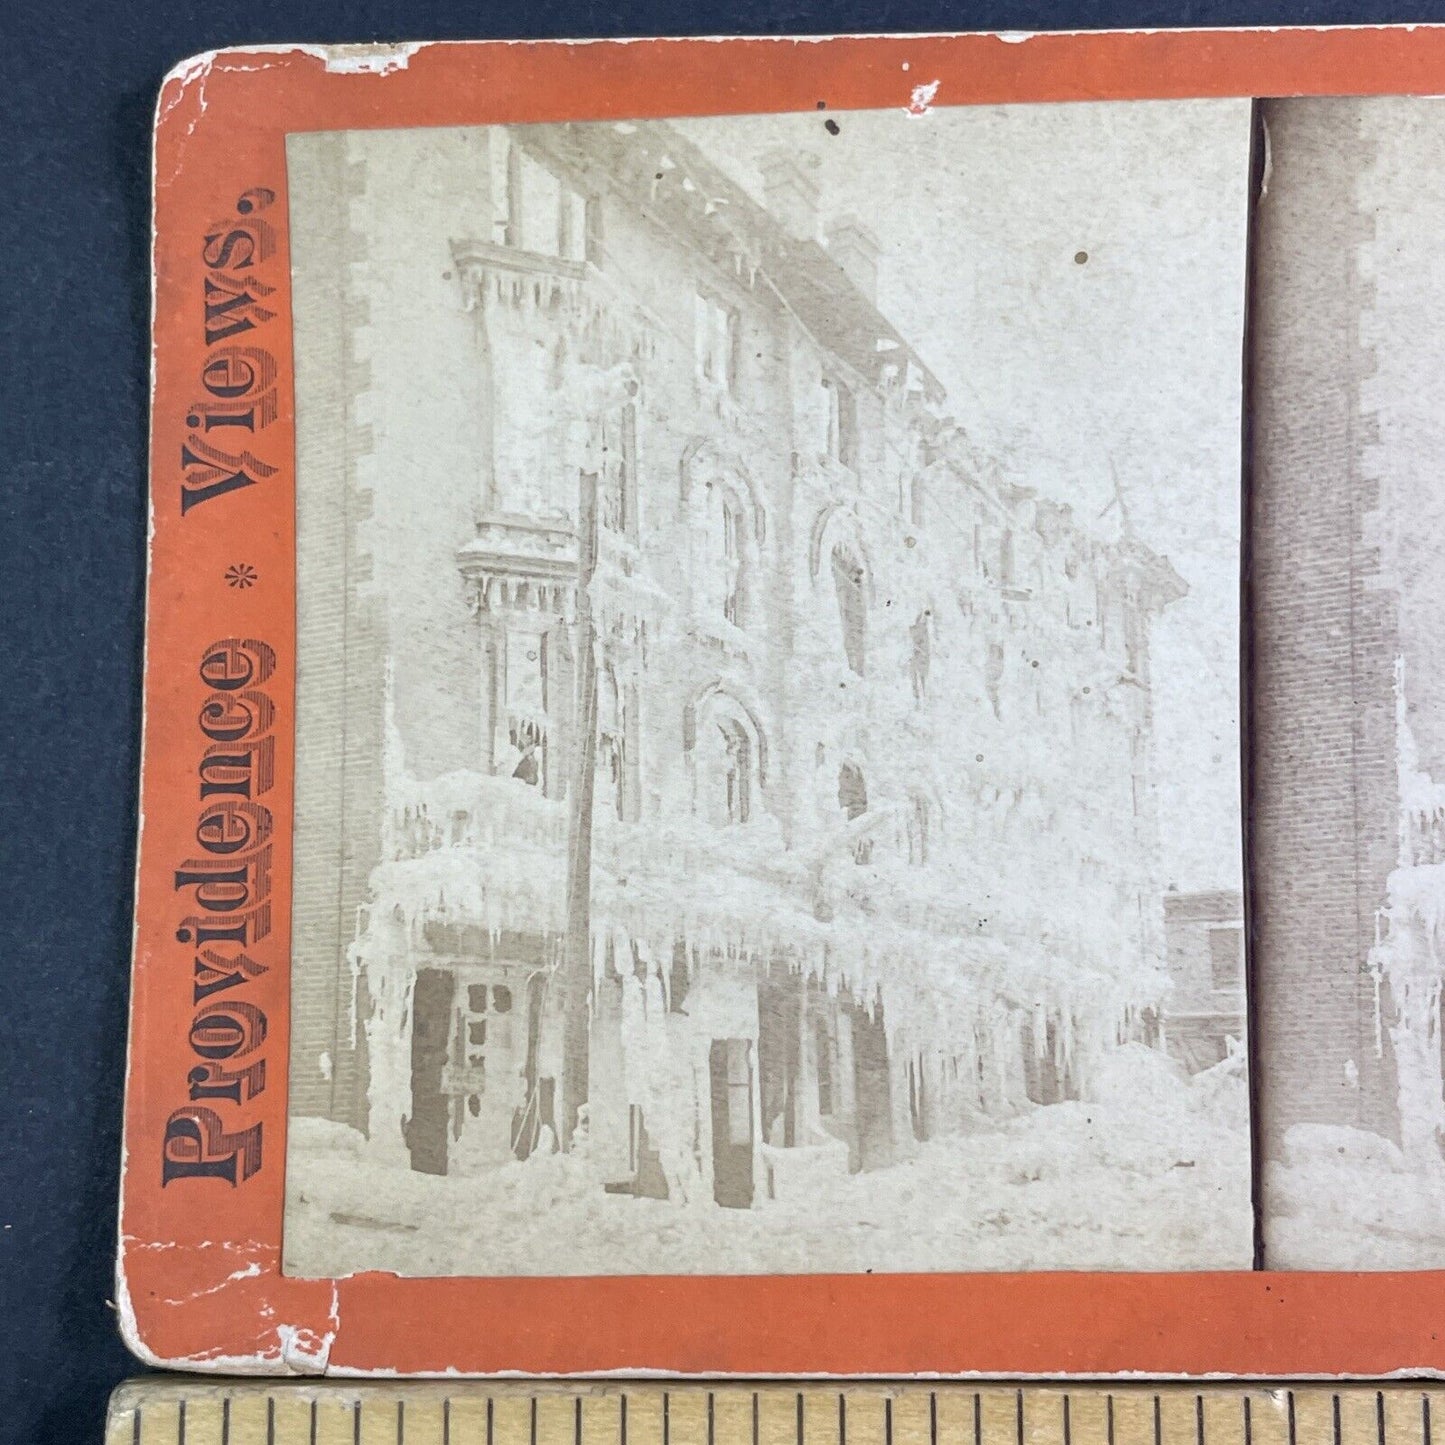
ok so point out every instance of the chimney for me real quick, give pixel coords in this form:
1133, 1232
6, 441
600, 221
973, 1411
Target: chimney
855, 248
790, 190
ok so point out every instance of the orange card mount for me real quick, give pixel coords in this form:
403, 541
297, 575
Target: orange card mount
220, 915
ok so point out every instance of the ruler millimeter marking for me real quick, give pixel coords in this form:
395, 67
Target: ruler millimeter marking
196, 1411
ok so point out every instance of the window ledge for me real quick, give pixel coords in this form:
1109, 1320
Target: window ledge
492, 257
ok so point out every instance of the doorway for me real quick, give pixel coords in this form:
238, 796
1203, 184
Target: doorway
730, 1066
431, 1024
875, 1109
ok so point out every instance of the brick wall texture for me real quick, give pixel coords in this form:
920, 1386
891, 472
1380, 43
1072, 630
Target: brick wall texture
341, 677
1324, 635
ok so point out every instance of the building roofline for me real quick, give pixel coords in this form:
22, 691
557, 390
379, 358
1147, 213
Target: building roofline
683, 189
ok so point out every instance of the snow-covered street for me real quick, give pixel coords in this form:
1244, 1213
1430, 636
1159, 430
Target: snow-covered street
1148, 1170
1347, 1199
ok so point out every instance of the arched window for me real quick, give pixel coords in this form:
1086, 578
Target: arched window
848, 582
737, 790
837, 547
731, 550
732, 558
729, 760
726, 770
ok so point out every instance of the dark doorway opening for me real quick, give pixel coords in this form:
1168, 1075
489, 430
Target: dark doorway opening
730, 1065
779, 1021
1046, 1080
875, 1110
431, 1023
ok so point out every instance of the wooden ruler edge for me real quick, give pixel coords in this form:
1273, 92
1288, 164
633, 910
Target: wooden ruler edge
1316, 1412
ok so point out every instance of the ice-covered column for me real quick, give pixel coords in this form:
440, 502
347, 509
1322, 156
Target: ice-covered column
386, 978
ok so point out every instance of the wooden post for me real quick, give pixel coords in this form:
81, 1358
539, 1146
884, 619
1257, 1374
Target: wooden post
577, 959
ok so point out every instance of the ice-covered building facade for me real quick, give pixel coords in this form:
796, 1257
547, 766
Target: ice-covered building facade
634, 458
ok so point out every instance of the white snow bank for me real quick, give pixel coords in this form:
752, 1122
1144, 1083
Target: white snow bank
1335, 1146
1098, 1185
1345, 1198
1138, 1077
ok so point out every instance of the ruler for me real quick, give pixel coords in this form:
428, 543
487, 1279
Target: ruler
195, 1411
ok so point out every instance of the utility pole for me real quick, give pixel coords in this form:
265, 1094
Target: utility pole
577, 958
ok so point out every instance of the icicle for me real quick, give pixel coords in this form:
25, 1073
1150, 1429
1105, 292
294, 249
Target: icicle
1376, 978
353, 965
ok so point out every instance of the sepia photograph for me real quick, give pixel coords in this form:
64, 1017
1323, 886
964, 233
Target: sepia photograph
1348, 818
768, 785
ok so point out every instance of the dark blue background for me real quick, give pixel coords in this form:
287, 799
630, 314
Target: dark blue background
77, 85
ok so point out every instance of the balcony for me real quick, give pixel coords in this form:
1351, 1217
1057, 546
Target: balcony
470, 850
481, 262
520, 564
474, 810
582, 291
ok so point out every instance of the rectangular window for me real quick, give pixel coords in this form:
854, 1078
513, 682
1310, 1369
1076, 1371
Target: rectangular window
571, 226
541, 194
525, 670
487, 1029
504, 188
592, 227
840, 416
828, 398
715, 342
1226, 957
535, 210
847, 427
525, 694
